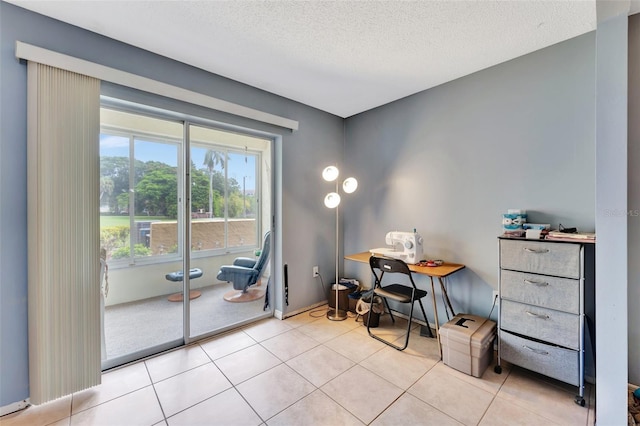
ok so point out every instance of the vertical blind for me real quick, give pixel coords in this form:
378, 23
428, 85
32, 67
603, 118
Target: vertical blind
63, 232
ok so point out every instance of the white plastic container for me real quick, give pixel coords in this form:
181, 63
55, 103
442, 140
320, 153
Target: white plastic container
467, 343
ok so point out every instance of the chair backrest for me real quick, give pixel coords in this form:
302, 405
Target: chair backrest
385, 264
264, 256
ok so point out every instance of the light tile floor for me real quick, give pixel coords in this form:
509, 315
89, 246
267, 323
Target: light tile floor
311, 371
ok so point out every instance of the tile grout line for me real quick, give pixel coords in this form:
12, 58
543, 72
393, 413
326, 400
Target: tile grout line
155, 392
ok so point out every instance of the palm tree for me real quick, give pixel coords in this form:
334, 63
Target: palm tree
211, 160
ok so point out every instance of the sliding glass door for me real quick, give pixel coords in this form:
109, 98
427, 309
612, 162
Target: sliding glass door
225, 219
140, 192
159, 213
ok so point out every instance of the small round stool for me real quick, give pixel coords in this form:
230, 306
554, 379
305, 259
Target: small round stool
178, 276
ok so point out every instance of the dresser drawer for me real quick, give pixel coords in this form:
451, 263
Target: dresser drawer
552, 326
562, 294
562, 260
559, 363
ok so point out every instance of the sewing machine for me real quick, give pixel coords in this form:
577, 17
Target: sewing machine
406, 246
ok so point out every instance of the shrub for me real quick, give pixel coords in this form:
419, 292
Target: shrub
113, 238
139, 251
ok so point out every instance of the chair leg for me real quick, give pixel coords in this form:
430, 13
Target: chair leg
386, 303
406, 342
370, 312
425, 318
388, 343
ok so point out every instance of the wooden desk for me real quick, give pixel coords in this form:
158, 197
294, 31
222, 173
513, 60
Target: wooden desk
438, 272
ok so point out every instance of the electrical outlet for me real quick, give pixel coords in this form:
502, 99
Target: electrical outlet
315, 271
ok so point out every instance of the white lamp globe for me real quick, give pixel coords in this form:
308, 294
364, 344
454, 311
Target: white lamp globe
350, 185
330, 173
332, 200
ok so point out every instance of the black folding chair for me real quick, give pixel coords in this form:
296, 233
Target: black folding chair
381, 267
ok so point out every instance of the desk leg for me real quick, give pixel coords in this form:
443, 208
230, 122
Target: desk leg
435, 314
446, 296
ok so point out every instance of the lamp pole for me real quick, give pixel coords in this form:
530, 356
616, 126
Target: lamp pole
332, 200
337, 314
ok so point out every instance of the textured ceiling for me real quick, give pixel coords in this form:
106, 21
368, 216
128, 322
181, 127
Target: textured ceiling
343, 57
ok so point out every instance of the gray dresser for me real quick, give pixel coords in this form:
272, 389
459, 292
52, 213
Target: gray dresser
546, 307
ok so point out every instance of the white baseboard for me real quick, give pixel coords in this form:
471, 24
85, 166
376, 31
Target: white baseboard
16, 406
280, 315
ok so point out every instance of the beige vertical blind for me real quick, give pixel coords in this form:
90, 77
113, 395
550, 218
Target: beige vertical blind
63, 232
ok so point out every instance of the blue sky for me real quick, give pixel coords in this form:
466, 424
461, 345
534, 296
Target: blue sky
168, 154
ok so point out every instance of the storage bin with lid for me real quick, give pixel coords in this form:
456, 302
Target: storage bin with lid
467, 343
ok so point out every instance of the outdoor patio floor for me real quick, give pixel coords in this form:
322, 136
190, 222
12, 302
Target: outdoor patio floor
134, 326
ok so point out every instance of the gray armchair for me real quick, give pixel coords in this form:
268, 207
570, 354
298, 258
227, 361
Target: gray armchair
244, 273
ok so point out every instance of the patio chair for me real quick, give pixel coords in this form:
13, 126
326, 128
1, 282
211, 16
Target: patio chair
244, 273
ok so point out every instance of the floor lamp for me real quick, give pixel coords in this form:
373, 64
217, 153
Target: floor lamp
332, 201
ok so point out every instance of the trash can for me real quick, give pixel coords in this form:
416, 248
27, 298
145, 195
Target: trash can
353, 300
372, 319
345, 287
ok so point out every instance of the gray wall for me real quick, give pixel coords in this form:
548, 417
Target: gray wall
449, 161
611, 211
307, 228
634, 200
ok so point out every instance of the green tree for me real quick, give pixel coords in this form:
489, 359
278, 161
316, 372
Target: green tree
199, 189
156, 187
233, 185
122, 202
157, 192
116, 169
150, 166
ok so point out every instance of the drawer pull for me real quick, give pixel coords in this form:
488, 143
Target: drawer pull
533, 314
538, 283
538, 351
537, 251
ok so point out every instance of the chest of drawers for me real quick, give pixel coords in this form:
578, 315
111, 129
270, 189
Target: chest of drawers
546, 296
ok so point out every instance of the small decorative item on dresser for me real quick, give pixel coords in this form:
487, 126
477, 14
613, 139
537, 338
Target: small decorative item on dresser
512, 222
536, 231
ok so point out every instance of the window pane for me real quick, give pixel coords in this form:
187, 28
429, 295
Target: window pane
140, 178
114, 196
156, 198
207, 197
224, 183
241, 184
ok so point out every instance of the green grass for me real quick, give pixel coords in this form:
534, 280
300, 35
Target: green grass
123, 220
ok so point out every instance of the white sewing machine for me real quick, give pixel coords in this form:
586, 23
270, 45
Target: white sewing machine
406, 246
